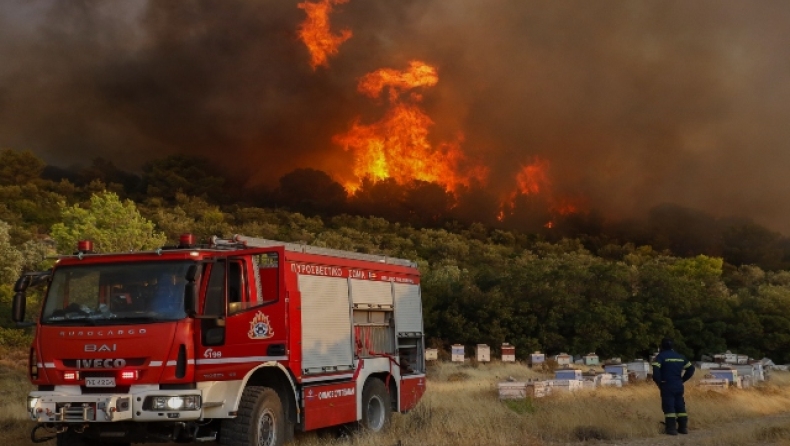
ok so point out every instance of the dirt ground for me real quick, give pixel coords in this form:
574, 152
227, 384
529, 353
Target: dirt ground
763, 431
773, 430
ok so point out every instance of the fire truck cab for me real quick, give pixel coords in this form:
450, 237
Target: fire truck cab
242, 341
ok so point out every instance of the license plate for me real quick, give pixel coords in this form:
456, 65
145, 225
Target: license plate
99, 382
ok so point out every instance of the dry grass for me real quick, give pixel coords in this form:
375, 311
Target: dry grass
14, 386
462, 408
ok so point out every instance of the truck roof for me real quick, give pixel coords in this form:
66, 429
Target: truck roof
241, 242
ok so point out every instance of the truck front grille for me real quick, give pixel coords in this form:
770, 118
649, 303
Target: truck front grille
77, 412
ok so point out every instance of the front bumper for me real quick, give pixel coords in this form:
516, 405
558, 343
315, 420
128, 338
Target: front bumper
66, 404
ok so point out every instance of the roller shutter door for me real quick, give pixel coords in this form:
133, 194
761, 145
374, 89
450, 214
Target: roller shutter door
326, 324
408, 308
367, 293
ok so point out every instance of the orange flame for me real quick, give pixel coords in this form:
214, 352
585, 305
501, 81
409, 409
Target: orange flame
419, 74
533, 179
398, 146
315, 32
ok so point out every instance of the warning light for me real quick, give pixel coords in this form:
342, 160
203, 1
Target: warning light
129, 375
85, 246
186, 240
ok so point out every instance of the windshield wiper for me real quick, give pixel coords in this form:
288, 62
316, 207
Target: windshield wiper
60, 320
138, 319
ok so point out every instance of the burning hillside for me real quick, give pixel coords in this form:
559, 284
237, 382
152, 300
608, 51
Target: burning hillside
398, 146
608, 108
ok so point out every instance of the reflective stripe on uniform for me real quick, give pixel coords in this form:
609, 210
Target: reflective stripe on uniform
684, 414
670, 415
656, 364
688, 364
673, 360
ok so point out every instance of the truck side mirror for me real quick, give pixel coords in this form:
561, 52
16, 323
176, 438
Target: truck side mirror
21, 284
20, 299
18, 309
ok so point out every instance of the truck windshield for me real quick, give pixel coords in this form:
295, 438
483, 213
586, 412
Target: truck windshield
122, 293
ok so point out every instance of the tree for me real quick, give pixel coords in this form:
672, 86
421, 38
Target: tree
111, 224
108, 173
310, 190
752, 244
178, 173
10, 258
427, 203
18, 168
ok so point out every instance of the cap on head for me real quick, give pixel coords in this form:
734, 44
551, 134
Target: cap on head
667, 344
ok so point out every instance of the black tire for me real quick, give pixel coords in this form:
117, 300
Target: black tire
68, 439
260, 421
376, 406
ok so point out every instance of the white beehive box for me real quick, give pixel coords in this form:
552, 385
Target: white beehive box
483, 353
514, 390
708, 365
609, 380
734, 358
591, 359
563, 359
458, 353
620, 370
718, 385
537, 358
431, 354
508, 353
589, 384
728, 374
538, 389
639, 368
753, 370
568, 374
566, 385
521, 390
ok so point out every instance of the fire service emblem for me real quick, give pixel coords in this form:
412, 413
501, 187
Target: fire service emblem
260, 328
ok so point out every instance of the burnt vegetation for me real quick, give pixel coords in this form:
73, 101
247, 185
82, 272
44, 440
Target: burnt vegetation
583, 284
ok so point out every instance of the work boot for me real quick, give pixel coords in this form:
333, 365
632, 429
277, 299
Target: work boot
683, 425
670, 426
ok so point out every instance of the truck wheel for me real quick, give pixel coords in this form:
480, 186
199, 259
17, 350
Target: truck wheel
376, 406
260, 421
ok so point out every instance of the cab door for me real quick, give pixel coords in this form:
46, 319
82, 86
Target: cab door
244, 292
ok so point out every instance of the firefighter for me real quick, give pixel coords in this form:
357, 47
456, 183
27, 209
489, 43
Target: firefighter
670, 371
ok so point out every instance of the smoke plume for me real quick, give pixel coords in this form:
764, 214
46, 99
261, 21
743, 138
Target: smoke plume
631, 104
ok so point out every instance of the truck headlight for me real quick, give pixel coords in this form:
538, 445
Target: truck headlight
185, 402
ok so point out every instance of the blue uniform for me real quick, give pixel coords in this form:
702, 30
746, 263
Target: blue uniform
670, 371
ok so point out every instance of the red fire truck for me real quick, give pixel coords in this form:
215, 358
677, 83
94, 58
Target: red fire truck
241, 340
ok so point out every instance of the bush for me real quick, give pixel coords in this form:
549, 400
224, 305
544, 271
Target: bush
15, 338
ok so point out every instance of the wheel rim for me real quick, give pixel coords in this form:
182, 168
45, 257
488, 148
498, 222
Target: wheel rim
375, 413
267, 433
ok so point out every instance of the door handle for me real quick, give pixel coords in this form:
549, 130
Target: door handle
275, 350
